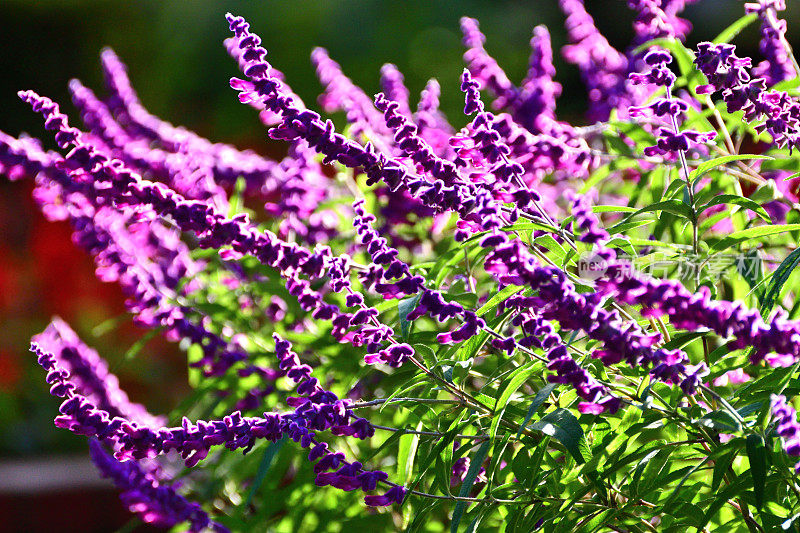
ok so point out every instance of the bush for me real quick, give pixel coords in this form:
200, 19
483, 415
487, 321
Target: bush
522, 324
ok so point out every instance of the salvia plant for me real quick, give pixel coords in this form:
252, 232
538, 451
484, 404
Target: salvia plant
517, 325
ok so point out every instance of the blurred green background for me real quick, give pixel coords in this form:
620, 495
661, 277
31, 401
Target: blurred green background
178, 65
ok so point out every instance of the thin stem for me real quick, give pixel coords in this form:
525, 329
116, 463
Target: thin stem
689, 187
772, 20
380, 401
436, 434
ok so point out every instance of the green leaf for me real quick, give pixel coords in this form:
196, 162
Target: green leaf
446, 440
497, 298
538, 400
404, 307
521, 466
750, 233
721, 421
139, 345
263, 467
515, 380
729, 492
407, 452
757, 454
474, 467
475, 522
236, 201
707, 166
779, 278
563, 425
676, 207
679, 341
747, 203
766, 192
723, 463
603, 518
650, 468
552, 245
613, 209
419, 519
393, 438
734, 29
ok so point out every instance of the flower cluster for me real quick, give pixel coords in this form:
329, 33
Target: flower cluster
671, 139
788, 428
730, 75
409, 263
777, 65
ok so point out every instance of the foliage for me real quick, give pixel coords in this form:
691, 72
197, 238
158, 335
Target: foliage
442, 320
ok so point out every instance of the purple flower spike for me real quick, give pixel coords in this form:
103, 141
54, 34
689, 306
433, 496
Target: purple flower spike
89, 373
394, 495
603, 69
657, 19
669, 140
535, 105
788, 428
777, 65
483, 67
155, 503
394, 88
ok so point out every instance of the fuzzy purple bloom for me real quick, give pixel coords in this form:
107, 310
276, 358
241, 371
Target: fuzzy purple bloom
155, 503
788, 428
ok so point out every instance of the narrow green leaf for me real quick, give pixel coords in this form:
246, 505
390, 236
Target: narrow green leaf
679, 341
676, 207
779, 278
613, 209
721, 421
737, 200
446, 440
515, 381
407, 452
497, 298
474, 467
236, 201
738, 237
393, 438
711, 164
757, 454
471, 528
734, 29
729, 492
653, 471
418, 523
263, 467
139, 345
563, 425
721, 467
541, 395
404, 307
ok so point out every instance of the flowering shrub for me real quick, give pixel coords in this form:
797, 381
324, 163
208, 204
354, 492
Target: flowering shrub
521, 324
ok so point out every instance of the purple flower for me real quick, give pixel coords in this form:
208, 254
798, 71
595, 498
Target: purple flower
603, 69
394, 88
788, 428
483, 67
396, 494
155, 503
342, 94
534, 108
777, 65
657, 19
88, 372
